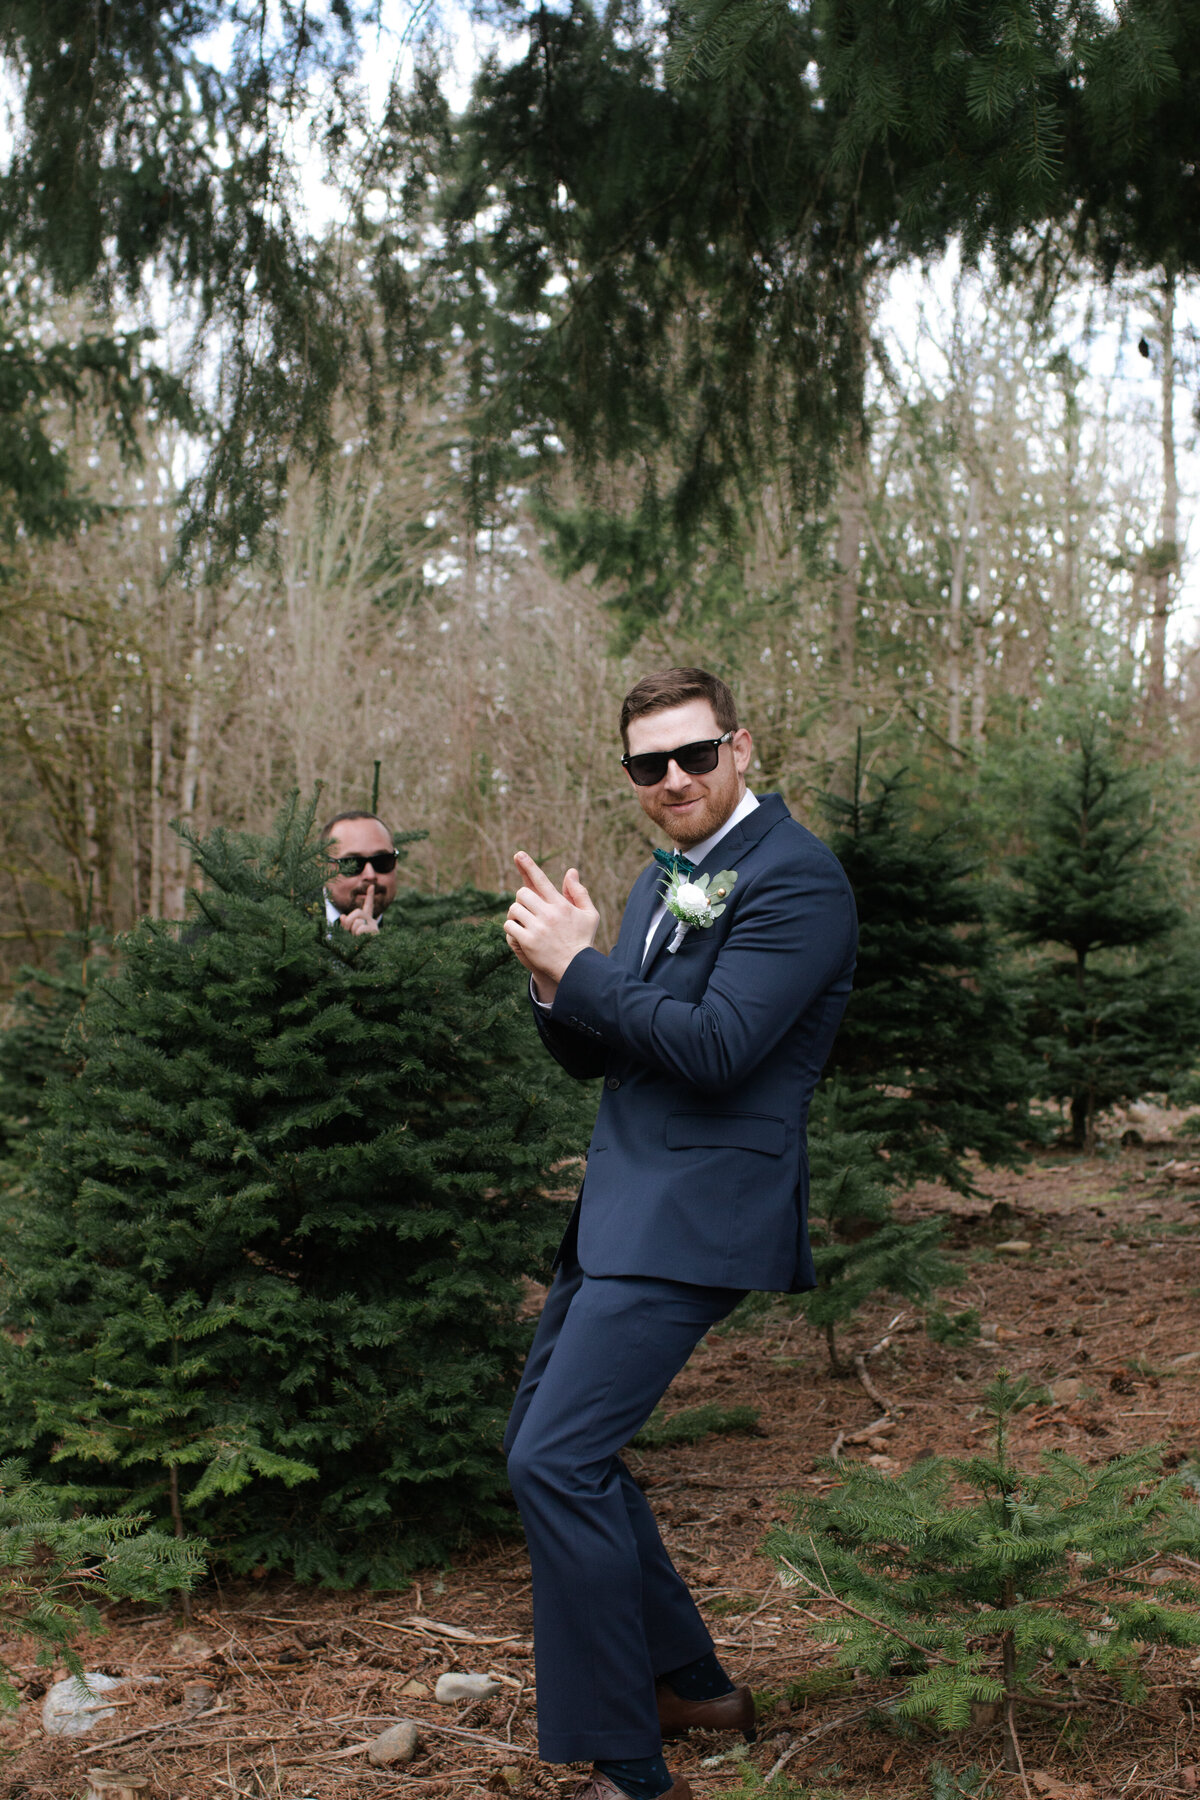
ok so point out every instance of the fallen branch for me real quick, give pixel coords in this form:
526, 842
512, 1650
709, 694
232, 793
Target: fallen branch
1015, 1741
877, 1428
860, 1712
872, 1392
418, 1627
265, 1737
454, 1731
827, 1593
90, 1749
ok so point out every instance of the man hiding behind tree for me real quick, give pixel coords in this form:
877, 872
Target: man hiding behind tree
709, 1023
363, 884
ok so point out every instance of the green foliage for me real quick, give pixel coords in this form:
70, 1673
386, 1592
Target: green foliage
859, 1247
816, 1684
600, 204
55, 1566
43, 1037
793, 154
995, 115
1128, 158
986, 1595
794, 151
752, 1785
141, 157
934, 1023
51, 371
267, 1258
906, 83
691, 1423
1118, 1015
971, 1784
952, 1329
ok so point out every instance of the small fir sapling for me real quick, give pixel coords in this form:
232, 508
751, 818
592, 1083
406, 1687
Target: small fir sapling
933, 1028
691, 1423
952, 1329
860, 1248
1117, 1015
56, 1565
987, 1598
265, 1272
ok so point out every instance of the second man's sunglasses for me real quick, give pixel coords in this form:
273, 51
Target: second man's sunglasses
382, 861
694, 759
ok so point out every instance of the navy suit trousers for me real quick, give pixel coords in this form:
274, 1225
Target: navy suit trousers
611, 1613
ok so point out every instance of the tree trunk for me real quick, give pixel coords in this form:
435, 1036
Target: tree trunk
157, 820
1166, 551
851, 534
175, 883
981, 622
1083, 1106
955, 646
1081, 1122
1012, 1750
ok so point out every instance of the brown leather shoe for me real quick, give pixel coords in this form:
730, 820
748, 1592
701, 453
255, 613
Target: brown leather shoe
599, 1787
728, 1712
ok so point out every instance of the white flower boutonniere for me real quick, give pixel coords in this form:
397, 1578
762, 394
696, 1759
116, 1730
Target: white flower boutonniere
696, 901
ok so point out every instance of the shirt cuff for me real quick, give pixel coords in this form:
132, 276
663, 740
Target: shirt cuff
542, 1005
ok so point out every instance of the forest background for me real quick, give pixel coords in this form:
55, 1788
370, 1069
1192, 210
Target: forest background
359, 430
597, 372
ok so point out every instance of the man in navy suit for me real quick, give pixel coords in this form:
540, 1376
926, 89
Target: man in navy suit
709, 1041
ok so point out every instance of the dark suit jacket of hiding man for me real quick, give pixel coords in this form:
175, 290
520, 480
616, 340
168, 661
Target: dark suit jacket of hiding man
698, 1168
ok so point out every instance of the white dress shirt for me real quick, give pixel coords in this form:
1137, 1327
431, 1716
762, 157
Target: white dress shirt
745, 806
696, 854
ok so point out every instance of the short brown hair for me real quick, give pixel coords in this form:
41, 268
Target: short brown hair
327, 829
675, 687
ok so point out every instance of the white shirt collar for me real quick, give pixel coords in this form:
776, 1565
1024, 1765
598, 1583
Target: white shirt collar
742, 810
332, 915
698, 852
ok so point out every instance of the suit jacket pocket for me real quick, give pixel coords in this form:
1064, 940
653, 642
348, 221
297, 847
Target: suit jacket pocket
726, 1131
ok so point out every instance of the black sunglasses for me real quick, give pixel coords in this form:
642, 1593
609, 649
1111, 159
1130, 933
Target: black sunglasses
694, 759
382, 861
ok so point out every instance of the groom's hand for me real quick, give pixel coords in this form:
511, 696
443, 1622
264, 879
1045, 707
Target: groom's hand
546, 929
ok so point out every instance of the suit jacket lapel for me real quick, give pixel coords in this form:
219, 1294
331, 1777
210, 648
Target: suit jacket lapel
735, 843
642, 902
662, 932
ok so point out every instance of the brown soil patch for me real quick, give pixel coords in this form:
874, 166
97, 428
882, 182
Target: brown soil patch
1107, 1296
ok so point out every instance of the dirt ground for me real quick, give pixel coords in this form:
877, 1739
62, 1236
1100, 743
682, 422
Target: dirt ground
1104, 1302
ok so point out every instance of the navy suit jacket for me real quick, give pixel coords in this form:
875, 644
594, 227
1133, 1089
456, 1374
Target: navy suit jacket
698, 1166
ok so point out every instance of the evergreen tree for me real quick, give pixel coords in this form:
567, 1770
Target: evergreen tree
797, 149
43, 1038
859, 1247
933, 1026
1118, 1015
987, 1597
155, 147
266, 1267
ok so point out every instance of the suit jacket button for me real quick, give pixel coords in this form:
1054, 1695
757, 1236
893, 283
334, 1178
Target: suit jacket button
612, 1082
